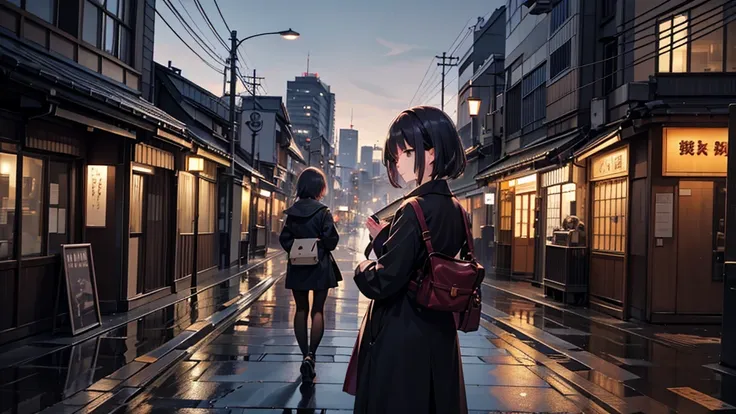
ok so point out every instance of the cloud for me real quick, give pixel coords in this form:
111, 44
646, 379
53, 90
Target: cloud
396, 49
374, 89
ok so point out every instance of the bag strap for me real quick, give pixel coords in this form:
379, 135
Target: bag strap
468, 233
422, 224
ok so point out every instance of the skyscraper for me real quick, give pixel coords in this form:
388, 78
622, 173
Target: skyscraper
347, 157
366, 159
311, 107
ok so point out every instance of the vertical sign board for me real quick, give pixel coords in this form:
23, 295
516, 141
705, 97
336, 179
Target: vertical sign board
81, 287
96, 195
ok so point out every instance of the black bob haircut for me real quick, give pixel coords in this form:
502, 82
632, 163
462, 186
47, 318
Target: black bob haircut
311, 184
422, 128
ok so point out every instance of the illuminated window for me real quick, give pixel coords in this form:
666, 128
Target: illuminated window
609, 215
207, 195
560, 199
524, 206
672, 44
33, 215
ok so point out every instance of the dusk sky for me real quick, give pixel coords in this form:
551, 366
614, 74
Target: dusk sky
373, 54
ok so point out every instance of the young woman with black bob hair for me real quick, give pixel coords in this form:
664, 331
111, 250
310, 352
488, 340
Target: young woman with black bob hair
408, 356
308, 218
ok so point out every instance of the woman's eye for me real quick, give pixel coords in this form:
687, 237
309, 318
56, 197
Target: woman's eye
409, 154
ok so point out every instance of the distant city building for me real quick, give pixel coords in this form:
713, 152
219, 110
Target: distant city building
377, 168
347, 157
311, 105
366, 158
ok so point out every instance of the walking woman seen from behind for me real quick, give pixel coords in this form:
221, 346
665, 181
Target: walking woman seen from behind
309, 236
408, 355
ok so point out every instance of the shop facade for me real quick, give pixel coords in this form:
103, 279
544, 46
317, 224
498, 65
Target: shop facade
68, 170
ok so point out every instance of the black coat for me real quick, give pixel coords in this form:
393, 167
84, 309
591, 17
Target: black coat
308, 219
409, 359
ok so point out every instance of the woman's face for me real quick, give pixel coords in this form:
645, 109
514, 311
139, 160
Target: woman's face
405, 164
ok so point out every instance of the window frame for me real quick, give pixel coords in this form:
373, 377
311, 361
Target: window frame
601, 227
119, 24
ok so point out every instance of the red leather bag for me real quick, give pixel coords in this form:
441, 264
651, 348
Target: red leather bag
447, 283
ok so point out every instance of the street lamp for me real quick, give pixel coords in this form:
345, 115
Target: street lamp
233, 52
474, 106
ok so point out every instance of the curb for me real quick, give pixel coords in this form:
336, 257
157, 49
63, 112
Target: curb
601, 400
116, 390
572, 312
89, 335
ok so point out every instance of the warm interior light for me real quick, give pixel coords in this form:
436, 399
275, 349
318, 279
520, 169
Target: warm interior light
290, 34
5, 168
528, 179
195, 164
265, 193
142, 169
474, 106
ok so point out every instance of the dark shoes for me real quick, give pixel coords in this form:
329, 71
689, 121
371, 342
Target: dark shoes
307, 369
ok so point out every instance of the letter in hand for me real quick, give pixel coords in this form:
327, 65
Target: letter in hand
374, 226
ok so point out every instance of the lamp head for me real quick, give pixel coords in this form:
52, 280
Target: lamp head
474, 106
290, 34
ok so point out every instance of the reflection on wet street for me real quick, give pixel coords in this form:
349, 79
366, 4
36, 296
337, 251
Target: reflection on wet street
638, 363
255, 362
44, 381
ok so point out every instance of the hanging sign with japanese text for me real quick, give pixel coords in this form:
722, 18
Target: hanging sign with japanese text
96, 195
610, 165
694, 152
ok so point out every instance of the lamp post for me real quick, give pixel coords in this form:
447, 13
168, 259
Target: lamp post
473, 109
233, 52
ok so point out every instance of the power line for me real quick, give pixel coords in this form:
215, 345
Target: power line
186, 10
189, 47
654, 54
191, 32
221, 16
423, 97
432, 61
203, 13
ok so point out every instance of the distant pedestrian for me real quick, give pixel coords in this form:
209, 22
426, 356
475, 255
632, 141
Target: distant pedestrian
408, 357
308, 219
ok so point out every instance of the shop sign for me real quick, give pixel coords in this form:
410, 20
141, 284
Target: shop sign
611, 165
694, 152
490, 199
96, 195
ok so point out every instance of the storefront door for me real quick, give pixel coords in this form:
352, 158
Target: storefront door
523, 250
695, 248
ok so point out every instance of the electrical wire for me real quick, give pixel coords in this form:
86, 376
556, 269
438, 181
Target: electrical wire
431, 64
192, 33
221, 16
220, 71
196, 26
649, 56
203, 13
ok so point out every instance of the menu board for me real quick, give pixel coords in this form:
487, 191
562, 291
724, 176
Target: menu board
81, 287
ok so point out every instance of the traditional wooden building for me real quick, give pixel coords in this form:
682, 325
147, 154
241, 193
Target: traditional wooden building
76, 132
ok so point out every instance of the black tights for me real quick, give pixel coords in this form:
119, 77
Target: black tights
301, 297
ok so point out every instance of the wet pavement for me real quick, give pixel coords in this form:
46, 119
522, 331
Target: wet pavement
645, 365
253, 365
44, 381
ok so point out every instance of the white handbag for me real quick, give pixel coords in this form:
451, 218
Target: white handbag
304, 252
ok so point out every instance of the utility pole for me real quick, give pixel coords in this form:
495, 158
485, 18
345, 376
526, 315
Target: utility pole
453, 61
254, 84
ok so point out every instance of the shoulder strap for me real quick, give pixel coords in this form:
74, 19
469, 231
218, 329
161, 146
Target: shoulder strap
468, 233
422, 224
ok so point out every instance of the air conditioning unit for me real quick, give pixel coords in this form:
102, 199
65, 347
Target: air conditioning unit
537, 7
598, 111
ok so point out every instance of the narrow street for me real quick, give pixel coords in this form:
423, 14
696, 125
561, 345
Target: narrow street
254, 363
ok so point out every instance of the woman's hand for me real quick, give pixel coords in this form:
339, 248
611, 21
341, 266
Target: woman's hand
375, 227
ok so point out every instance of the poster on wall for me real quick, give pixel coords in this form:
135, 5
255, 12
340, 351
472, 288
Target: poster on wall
96, 195
81, 287
664, 215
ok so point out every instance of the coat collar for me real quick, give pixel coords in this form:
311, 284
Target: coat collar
439, 187
305, 208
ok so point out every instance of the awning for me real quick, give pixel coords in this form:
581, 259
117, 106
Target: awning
296, 152
529, 156
38, 69
604, 139
204, 149
247, 168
